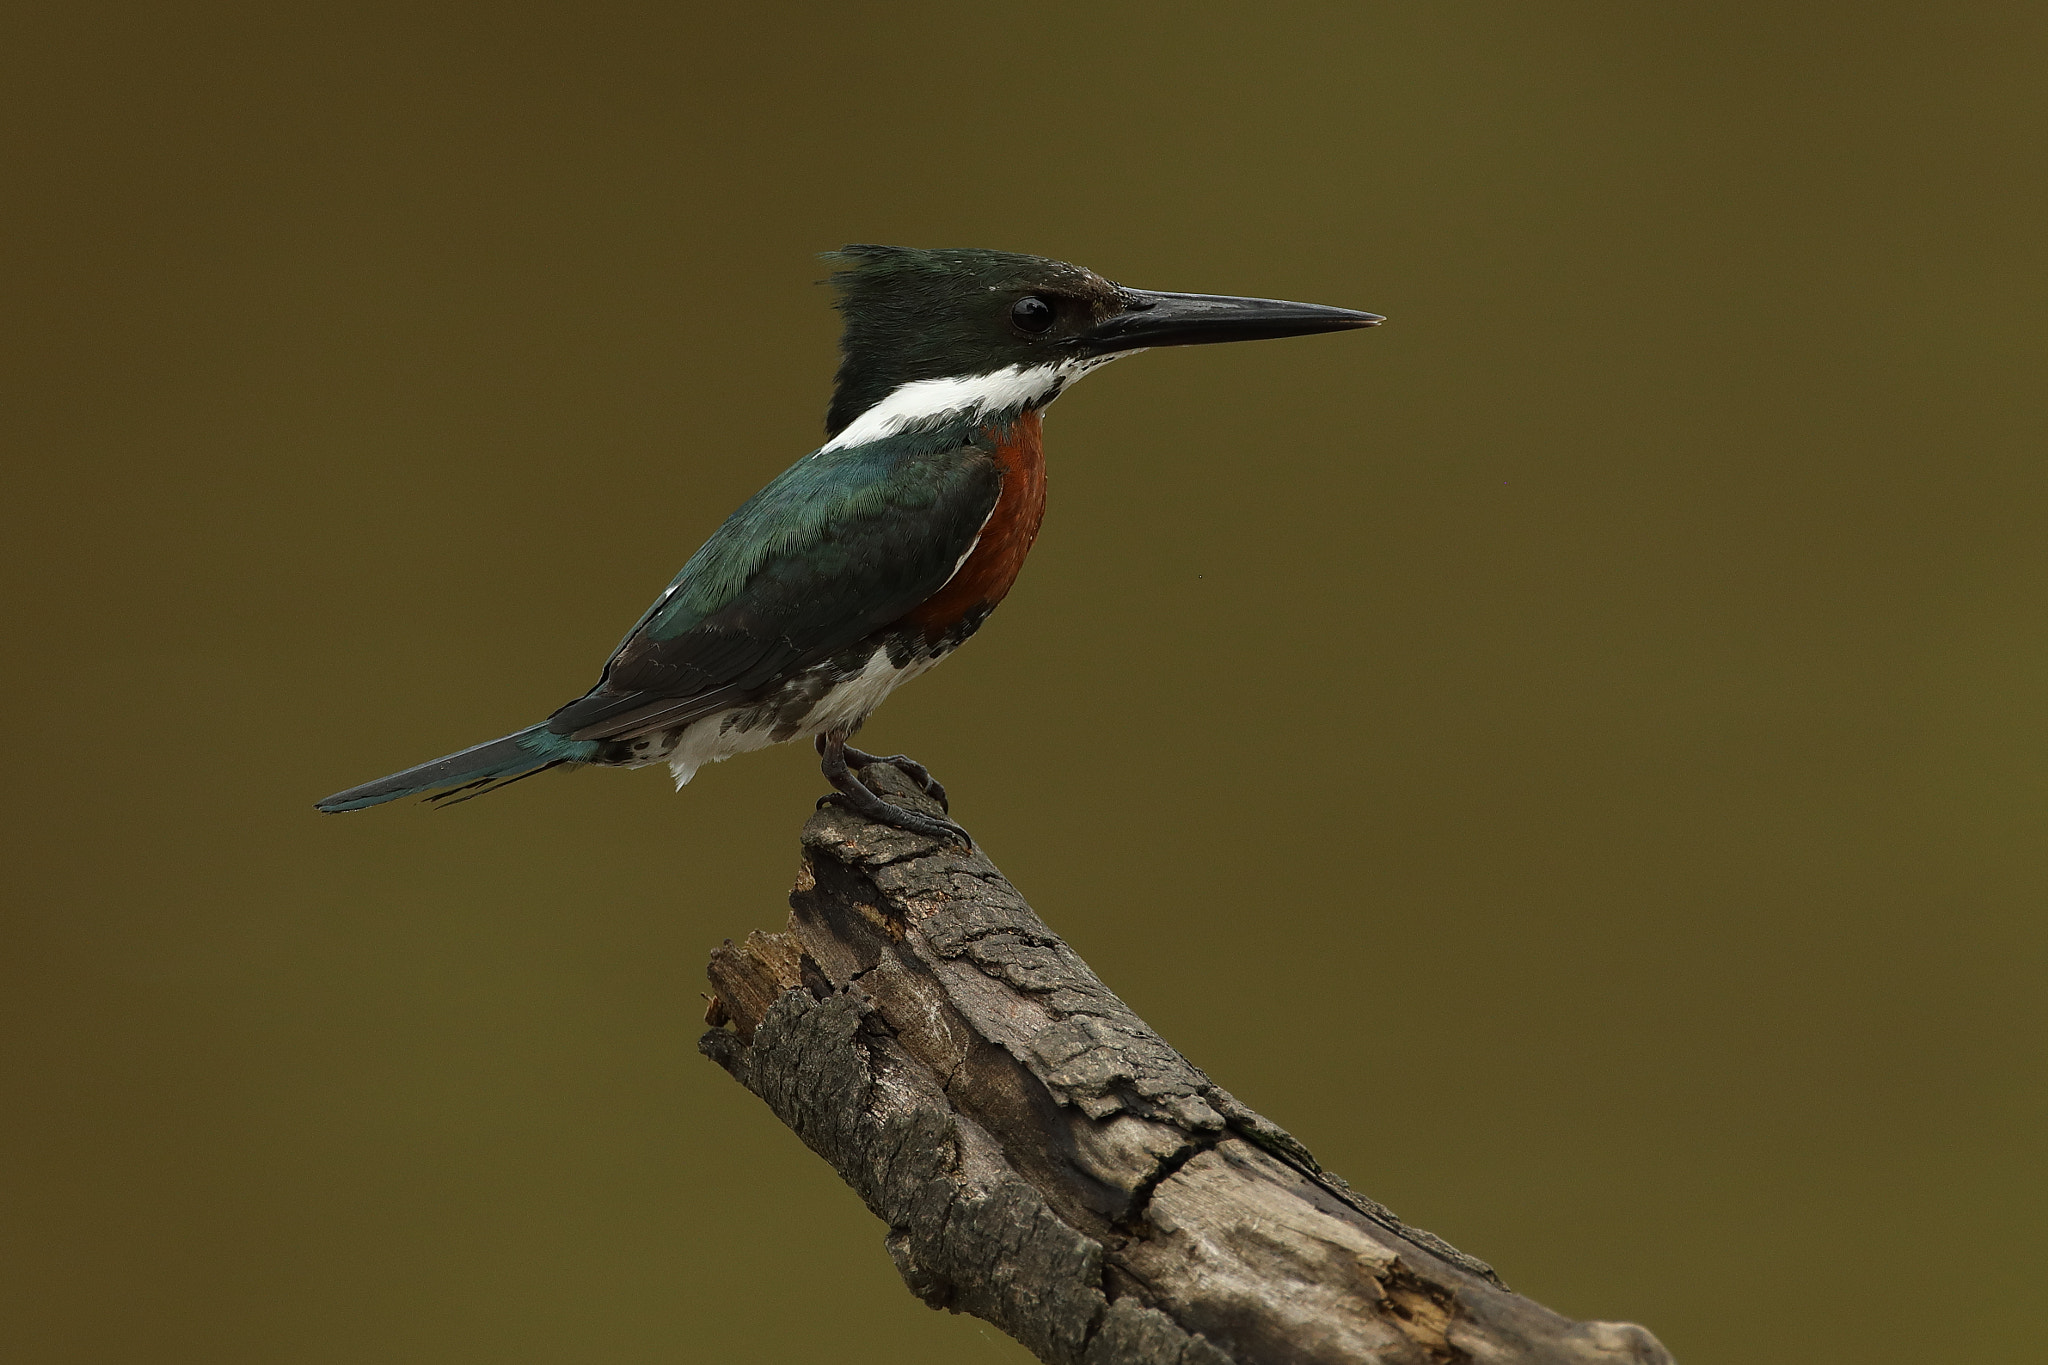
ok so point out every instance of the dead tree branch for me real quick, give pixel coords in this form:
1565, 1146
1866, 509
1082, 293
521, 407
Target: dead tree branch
1046, 1162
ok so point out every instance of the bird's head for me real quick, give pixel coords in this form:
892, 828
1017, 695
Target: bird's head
934, 331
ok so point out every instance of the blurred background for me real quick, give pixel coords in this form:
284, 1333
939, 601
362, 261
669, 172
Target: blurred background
1577, 755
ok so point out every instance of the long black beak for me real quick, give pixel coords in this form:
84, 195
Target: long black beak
1196, 319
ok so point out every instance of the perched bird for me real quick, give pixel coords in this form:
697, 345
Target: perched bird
873, 557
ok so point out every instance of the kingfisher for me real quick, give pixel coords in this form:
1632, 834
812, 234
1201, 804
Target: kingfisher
879, 553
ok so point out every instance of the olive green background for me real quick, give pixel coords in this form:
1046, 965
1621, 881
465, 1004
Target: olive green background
1576, 755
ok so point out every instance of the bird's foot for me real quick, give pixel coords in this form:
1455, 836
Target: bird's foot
861, 801
909, 767
849, 791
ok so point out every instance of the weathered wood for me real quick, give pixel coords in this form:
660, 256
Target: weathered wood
1046, 1162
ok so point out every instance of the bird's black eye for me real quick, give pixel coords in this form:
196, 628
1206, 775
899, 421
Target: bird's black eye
1032, 314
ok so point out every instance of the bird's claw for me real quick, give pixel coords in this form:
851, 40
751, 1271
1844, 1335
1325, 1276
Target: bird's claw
909, 767
938, 827
896, 817
841, 766
921, 775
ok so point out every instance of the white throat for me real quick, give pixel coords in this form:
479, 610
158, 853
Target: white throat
922, 402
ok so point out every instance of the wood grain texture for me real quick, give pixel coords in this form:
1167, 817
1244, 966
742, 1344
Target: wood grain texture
1046, 1162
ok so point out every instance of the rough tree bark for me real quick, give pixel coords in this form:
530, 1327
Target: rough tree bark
1046, 1162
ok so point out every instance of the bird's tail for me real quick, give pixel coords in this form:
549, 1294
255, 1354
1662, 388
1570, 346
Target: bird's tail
472, 772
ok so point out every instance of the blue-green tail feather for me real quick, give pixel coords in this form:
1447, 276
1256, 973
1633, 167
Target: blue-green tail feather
472, 772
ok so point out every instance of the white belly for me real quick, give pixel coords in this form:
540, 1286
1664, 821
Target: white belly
743, 729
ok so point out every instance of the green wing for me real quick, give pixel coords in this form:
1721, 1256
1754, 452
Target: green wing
839, 545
